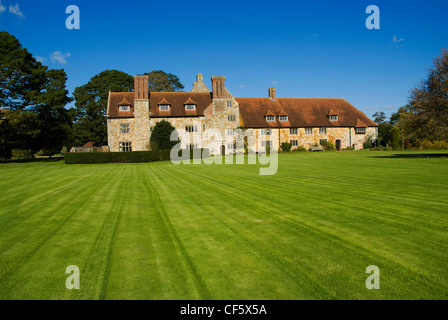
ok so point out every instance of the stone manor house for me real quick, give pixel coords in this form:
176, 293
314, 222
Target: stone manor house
266, 121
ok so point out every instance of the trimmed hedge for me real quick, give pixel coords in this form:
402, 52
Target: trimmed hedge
124, 157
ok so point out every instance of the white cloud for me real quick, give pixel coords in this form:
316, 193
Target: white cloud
368, 108
274, 82
243, 86
16, 11
40, 59
60, 57
389, 107
2, 8
397, 40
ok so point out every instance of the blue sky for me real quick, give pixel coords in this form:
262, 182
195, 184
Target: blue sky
310, 49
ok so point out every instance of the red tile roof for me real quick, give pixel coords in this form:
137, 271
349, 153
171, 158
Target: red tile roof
190, 101
163, 101
360, 124
89, 144
269, 113
115, 99
301, 113
177, 100
124, 102
253, 111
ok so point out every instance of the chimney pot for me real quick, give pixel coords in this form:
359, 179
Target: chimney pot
272, 94
141, 86
218, 87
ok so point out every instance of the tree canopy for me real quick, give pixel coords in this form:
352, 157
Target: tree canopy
379, 117
159, 81
21, 76
426, 116
33, 99
90, 122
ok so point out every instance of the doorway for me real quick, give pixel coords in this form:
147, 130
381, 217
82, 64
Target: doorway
338, 145
223, 150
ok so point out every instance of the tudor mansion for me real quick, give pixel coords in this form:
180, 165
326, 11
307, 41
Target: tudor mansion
209, 119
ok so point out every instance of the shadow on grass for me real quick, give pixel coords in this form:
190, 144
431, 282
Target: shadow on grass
414, 156
52, 159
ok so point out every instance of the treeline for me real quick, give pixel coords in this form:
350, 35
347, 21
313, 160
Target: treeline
34, 118
423, 122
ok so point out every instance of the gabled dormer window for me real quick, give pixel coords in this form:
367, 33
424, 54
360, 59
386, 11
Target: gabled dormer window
190, 107
283, 118
164, 107
333, 118
124, 108
270, 118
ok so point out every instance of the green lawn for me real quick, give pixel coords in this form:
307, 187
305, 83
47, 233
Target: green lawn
161, 231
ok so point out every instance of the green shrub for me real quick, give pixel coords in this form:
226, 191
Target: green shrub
21, 154
328, 146
396, 138
380, 148
348, 149
436, 145
160, 136
268, 149
300, 149
125, 157
427, 145
440, 145
286, 146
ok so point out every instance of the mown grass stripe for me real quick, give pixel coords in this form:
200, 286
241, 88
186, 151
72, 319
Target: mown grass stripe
164, 231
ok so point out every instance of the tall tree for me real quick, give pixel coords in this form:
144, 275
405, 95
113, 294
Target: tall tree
159, 81
379, 117
384, 133
33, 98
21, 76
396, 116
395, 138
428, 106
5, 136
54, 118
91, 105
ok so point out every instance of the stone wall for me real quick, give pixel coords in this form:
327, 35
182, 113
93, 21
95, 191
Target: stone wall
180, 124
212, 133
115, 137
346, 135
142, 123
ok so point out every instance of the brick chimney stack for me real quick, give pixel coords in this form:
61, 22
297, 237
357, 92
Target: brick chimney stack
272, 94
141, 87
218, 87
